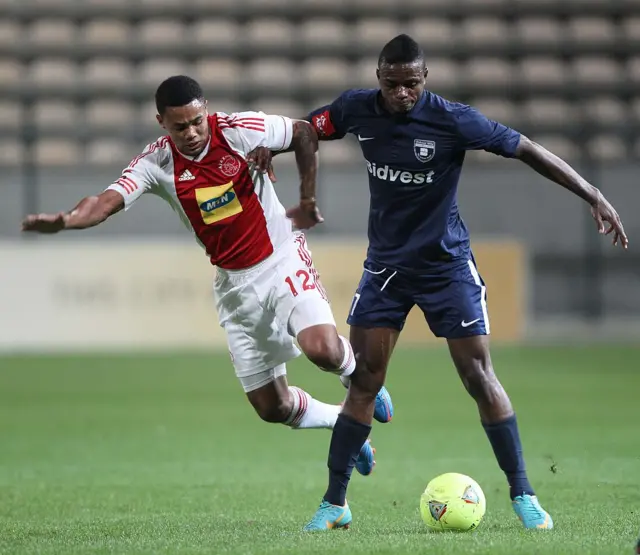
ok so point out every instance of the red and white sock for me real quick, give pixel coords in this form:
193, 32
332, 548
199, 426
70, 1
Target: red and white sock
348, 360
308, 412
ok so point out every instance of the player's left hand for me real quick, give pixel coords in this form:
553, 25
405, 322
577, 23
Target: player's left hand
305, 215
261, 157
602, 211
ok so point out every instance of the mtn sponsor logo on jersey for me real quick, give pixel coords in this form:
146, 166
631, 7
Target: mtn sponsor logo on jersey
218, 203
385, 173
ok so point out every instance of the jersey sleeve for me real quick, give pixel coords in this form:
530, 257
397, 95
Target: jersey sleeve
329, 121
246, 131
138, 177
477, 132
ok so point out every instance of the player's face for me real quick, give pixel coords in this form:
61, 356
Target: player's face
401, 85
187, 126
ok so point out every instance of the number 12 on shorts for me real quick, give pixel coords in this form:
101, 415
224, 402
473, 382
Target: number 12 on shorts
306, 281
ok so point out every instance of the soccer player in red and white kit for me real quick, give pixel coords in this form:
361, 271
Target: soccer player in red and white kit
266, 288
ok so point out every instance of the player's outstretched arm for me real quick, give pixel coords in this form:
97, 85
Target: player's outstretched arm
89, 212
557, 170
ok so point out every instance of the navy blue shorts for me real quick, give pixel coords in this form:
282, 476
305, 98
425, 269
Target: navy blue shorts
452, 297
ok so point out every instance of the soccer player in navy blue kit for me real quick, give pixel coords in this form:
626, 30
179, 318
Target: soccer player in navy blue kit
414, 143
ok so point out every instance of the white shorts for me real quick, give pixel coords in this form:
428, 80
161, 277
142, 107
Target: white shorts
264, 307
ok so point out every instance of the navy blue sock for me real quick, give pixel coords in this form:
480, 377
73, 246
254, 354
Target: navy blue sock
505, 440
347, 439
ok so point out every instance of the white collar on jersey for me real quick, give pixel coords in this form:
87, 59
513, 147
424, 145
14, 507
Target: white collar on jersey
200, 156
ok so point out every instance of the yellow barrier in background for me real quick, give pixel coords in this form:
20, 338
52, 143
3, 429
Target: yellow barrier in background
60, 295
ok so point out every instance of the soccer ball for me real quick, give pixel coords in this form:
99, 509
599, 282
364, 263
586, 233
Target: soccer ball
452, 502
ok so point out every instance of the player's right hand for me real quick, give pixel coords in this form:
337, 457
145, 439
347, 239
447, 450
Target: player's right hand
602, 211
261, 157
44, 223
305, 215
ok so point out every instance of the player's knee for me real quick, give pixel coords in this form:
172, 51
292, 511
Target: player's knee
477, 375
367, 379
322, 347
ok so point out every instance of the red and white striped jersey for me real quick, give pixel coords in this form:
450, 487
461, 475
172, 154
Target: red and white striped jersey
233, 212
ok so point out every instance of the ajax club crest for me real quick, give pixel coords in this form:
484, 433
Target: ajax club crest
424, 150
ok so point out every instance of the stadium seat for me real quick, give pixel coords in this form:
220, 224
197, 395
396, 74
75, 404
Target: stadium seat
631, 28
583, 30
442, 73
431, 31
56, 115
109, 152
480, 31
57, 152
606, 148
120, 4
108, 73
153, 71
559, 145
497, 109
51, 33
549, 111
109, 114
11, 153
596, 70
11, 72
59, 73
277, 107
326, 5
226, 105
266, 3
221, 5
633, 69
326, 72
634, 107
364, 73
606, 110
11, 115
277, 74
493, 3
324, 32
105, 33
160, 33
214, 32
374, 33
538, 30
222, 73
10, 32
542, 71
266, 33
488, 71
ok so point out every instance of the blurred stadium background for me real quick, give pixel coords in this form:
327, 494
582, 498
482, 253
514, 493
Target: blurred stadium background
76, 104
109, 453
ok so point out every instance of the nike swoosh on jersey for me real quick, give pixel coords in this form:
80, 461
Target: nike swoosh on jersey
467, 324
362, 139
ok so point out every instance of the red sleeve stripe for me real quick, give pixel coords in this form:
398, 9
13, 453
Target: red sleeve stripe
236, 126
161, 143
127, 184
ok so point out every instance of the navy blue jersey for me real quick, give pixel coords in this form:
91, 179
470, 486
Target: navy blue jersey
414, 162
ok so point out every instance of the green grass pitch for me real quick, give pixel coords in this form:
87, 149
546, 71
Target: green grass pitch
162, 454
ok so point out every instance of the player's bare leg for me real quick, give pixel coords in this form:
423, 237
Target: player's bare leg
373, 348
329, 351
472, 359
275, 401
